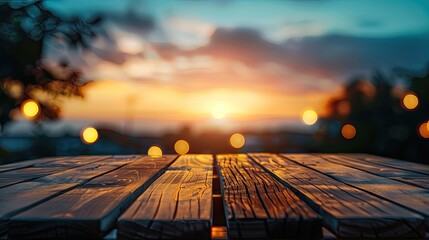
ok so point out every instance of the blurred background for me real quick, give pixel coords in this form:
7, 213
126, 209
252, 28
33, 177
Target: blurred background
180, 76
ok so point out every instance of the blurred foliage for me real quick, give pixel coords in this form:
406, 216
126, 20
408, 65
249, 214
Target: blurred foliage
25, 27
384, 126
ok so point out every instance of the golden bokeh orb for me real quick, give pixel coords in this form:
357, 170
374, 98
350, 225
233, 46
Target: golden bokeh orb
427, 125
154, 151
237, 140
348, 131
424, 130
89, 135
309, 117
410, 101
181, 147
30, 108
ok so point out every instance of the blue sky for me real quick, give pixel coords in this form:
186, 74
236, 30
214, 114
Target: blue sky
363, 17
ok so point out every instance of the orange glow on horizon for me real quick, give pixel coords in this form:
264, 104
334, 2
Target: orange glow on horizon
107, 99
348, 131
30, 109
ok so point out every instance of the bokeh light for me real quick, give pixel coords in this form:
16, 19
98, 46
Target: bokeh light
348, 131
424, 130
181, 147
344, 108
309, 117
30, 108
89, 135
237, 140
410, 101
154, 151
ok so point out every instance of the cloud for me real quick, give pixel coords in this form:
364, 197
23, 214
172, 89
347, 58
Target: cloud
328, 55
236, 58
242, 58
244, 45
188, 33
133, 22
338, 55
293, 29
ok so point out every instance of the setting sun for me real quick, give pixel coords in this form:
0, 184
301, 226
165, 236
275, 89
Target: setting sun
219, 111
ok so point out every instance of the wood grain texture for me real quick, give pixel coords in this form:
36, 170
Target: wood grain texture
20, 197
27, 163
347, 211
178, 205
400, 175
411, 197
259, 207
193, 161
389, 162
44, 168
90, 210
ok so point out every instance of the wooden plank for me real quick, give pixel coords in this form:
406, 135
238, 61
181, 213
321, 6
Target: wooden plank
27, 163
40, 169
177, 205
401, 175
394, 163
90, 210
259, 207
20, 197
193, 161
411, 197
347, 211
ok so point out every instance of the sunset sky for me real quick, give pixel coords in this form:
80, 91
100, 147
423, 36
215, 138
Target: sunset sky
258, 63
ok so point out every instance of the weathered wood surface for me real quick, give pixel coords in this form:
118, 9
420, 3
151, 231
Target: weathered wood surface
400, 175
178, 205
347, 211
193, 161
408, 196
28, 163
264, 195
259, 207
91, 209
43, 168
22, 196
389, 162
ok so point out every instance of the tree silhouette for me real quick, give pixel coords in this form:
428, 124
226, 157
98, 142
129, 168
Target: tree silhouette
24, 29
384, 126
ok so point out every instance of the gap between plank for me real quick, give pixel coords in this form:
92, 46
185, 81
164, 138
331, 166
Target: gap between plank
219, 228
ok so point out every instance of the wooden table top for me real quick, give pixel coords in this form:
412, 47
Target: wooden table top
226, 196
